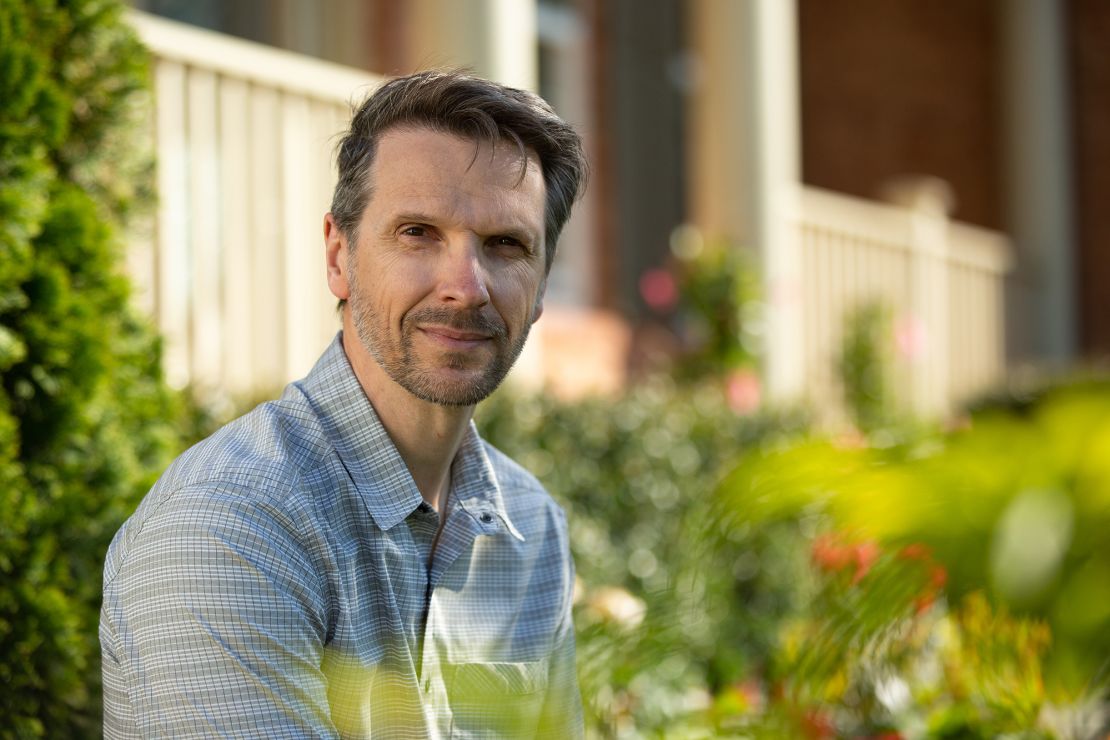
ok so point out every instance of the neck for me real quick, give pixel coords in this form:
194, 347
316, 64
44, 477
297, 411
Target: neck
427, 435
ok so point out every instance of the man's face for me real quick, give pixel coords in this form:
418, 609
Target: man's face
448, 273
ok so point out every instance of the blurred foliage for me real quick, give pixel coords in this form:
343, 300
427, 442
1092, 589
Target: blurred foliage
630, 471
956, 585
865, 366
85, 422
936, 585
720, 310
930, 585
709, 295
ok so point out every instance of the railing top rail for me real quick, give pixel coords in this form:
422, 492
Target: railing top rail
975, 246
256, 63
858, 218
881, 223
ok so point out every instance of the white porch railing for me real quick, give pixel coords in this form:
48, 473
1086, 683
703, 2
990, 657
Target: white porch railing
943, 280
243, 135
232, 269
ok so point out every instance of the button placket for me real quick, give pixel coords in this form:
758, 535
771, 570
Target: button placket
434, 686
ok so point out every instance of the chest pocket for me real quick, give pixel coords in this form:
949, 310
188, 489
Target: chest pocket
497, 700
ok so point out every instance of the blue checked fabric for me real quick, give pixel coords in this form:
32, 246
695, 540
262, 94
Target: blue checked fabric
277, 581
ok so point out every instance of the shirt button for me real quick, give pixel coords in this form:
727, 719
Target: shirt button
486, 517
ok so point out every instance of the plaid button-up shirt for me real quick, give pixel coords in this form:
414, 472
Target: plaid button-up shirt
279, 581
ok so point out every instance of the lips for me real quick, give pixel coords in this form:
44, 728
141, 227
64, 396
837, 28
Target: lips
456, 330
460, 335
455, 340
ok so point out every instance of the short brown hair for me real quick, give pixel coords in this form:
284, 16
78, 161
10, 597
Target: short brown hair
459, 103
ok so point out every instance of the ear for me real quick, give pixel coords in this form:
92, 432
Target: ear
335, 257
537, 310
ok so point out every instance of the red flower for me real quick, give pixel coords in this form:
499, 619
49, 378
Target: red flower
866, 553
922, 603
817, 725
831, 554
828, 554
916, 551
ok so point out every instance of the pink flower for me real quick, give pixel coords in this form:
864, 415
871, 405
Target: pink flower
659, 290
743, 391
911, 338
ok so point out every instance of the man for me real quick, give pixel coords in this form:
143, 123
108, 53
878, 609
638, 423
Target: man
353, 559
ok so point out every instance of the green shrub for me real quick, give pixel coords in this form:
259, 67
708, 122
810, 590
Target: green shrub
85, 421
865, 366
933, 585
707, 295
630, 471
951, 585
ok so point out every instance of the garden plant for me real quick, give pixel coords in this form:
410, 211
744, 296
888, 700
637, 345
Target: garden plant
85, 420
740, 574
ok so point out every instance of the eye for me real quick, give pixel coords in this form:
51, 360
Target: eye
414, 231
510, 243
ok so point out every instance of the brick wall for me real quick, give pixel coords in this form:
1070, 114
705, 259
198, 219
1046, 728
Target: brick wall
1089, 43
895, 87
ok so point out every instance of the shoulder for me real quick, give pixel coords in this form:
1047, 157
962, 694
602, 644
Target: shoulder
511, 474
528, 502
266, 450
251, 480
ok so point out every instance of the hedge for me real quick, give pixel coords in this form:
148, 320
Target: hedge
85, 420
743, 577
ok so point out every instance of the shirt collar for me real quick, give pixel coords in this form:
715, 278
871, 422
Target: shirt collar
474, 482
375, 466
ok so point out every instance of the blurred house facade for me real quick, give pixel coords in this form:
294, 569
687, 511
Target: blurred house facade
911, 153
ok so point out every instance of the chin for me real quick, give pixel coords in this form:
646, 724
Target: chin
450, 387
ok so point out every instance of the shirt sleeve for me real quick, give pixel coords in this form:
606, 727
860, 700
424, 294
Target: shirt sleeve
214, 625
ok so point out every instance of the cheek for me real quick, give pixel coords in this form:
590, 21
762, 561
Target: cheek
390, 288
516, 300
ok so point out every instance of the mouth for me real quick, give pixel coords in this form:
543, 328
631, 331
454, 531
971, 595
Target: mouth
455, 339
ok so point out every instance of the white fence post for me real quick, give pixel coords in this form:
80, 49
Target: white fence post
929, 302
243, 137
942, 279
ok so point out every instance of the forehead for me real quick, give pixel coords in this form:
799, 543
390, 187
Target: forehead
457, 182
417, 153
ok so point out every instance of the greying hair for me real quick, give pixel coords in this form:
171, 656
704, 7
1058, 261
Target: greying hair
458, 103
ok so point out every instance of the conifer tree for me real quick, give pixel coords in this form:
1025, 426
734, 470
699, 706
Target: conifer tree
85, 419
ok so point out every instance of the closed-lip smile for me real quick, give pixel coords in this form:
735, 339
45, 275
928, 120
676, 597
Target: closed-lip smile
453, 335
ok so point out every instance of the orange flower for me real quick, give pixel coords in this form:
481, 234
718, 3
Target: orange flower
922, 603
916, 551
829, 555
865, 555
817, 725
748, 694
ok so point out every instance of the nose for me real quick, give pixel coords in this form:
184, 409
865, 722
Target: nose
463, 278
